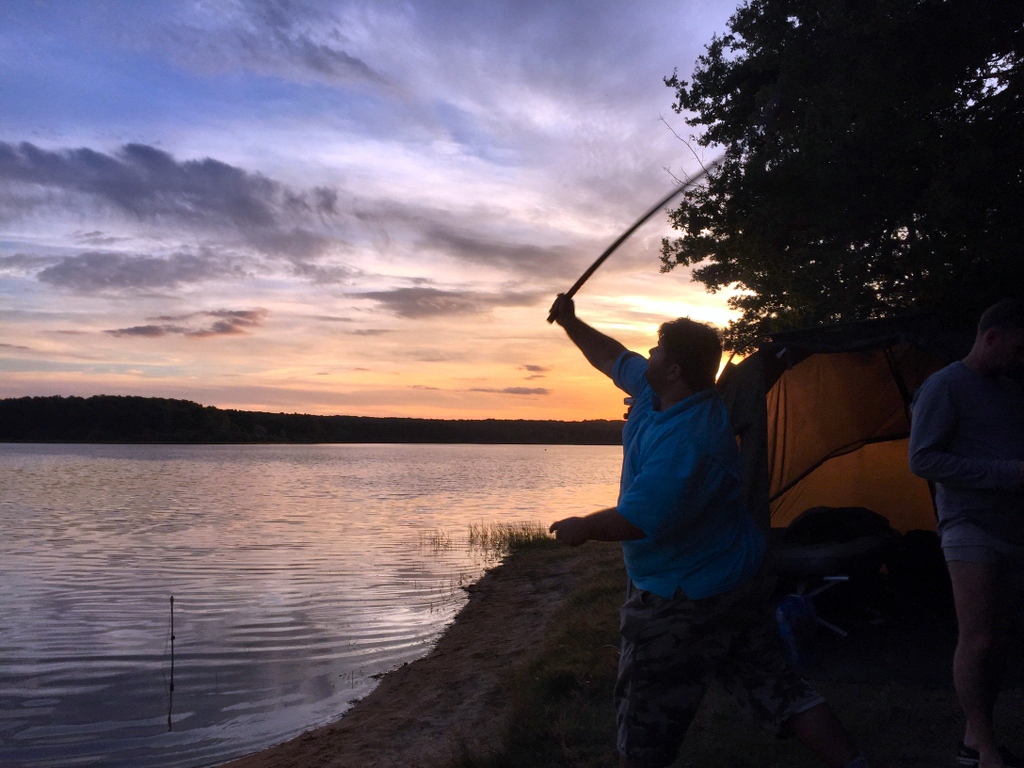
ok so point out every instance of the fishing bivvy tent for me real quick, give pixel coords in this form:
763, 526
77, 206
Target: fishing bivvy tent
822, 418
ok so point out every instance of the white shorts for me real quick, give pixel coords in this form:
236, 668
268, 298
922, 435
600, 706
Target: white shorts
966, 542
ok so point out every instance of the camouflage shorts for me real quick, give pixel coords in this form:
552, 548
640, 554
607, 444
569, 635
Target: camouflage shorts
673, 648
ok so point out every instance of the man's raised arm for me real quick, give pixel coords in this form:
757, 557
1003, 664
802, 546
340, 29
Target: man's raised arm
601, 351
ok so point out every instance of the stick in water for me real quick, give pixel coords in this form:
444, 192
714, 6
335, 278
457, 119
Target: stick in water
621, 239
170, 695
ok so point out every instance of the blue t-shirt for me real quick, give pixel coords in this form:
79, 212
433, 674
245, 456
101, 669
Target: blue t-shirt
681, 486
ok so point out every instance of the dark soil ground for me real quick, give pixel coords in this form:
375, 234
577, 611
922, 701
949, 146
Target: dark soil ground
524, 678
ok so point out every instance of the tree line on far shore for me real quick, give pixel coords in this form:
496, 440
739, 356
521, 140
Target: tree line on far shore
117, 419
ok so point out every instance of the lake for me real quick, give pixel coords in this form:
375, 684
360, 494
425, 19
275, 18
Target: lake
299, 575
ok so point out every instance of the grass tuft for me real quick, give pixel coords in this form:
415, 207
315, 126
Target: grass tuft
502, 539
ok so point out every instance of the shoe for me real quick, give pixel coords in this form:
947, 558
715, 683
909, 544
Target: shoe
969, 758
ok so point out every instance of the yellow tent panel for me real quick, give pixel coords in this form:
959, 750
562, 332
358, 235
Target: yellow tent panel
875, 476
822, 417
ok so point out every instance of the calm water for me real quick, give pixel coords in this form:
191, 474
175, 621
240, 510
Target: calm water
298, 574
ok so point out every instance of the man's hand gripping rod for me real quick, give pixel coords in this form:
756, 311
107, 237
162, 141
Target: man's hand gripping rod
611, 248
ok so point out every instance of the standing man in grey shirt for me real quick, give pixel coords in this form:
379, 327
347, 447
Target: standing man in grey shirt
967, 437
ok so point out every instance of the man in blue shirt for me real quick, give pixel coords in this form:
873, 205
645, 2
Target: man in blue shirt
699, 602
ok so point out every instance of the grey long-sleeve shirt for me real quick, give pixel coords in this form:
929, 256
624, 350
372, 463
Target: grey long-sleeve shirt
967, 437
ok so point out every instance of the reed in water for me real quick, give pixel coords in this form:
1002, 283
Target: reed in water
501, 539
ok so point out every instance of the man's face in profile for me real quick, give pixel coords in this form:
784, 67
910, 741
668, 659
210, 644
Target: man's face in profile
656, 367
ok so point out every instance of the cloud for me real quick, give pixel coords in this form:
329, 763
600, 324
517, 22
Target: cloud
232, 322
536, 371
301, 245
333, 319
431, 356
513, 390
104, 270
226, 322
520, 257
147, 183
369, 332
246, 211
14, 346
469, 235
283, 38
97, 237
488, 390
147, 330
304, 265
24, 262
422, 301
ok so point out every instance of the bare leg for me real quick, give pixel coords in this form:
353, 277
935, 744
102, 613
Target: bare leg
820, 731
975, 664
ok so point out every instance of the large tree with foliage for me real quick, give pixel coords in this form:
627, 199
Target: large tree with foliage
874, 161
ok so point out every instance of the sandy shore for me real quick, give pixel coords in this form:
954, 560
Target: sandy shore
888, 684
426, 712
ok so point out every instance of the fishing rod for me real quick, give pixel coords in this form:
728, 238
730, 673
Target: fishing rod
622, 238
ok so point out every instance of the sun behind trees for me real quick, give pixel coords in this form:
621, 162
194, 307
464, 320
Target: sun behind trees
874, 161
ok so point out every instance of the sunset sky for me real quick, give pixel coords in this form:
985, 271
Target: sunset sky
337, 207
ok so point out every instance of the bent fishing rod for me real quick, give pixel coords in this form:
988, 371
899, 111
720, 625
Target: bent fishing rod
636, 225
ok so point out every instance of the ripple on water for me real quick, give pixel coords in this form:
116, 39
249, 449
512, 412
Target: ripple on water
299, 573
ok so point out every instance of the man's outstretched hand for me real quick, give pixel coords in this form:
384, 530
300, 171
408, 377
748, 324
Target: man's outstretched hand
606, 525
571, 531
562, 311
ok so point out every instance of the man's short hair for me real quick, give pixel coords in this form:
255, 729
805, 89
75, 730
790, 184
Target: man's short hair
1007, 315
695, 347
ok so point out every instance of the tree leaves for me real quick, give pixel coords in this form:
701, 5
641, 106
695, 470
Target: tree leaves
874, 161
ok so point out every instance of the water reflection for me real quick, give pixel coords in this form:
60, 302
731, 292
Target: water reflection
298, 573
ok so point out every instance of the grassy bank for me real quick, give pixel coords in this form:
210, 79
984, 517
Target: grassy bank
561, 714
523, 678
561, 701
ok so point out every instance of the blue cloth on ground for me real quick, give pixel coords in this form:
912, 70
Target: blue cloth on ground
681, 486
